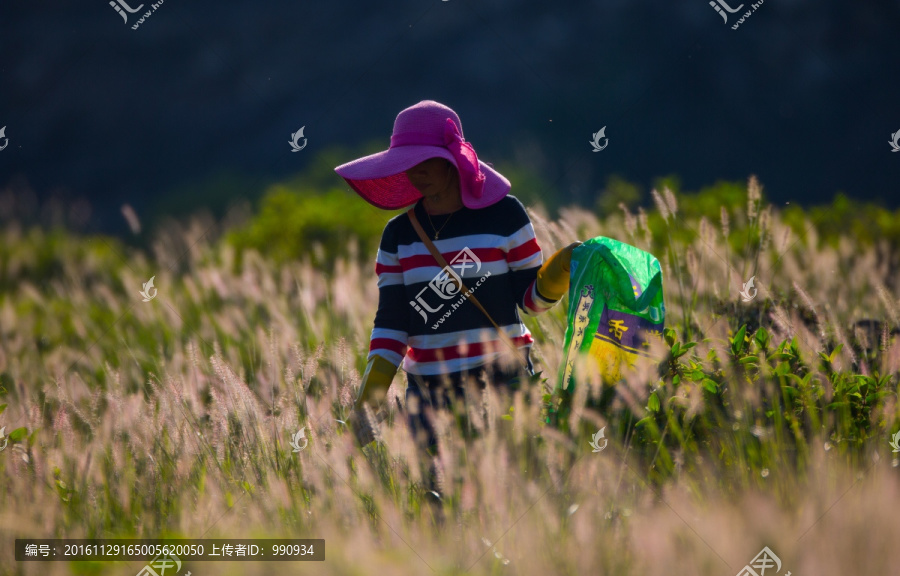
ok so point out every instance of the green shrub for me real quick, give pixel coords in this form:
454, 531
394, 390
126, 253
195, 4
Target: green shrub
297, 223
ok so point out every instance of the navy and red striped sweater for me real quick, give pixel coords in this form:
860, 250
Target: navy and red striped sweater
423, 320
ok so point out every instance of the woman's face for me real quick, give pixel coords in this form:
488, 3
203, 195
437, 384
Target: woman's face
431, 177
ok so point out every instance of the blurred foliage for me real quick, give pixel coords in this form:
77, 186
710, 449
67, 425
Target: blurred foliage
39, 256
295, 222
870, 224
216, 192
530, 187
867, 222
313, 215
618, 191
316, 215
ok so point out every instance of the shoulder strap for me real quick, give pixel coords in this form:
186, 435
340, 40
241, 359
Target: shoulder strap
457, 280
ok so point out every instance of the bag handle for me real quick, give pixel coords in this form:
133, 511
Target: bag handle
458, 281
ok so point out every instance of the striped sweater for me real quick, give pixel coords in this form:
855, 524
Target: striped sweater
423, 320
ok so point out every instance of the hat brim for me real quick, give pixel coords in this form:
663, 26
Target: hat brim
381, 178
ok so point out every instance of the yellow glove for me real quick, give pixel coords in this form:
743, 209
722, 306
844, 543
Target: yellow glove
376, 380
553, 276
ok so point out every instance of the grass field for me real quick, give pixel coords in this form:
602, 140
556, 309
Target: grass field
765, 423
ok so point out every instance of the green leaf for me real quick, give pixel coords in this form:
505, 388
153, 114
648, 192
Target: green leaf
670, 336
678, 350
737, 344
748, 360
653, 403
762, 337
790, 391
18, 434
710, 385
6, 382
2, 408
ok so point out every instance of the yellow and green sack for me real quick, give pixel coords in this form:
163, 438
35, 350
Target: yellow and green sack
615, 306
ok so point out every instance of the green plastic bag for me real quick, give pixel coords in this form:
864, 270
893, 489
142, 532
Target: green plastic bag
615, 306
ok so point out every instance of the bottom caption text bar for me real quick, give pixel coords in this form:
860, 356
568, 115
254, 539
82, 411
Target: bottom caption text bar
211, 549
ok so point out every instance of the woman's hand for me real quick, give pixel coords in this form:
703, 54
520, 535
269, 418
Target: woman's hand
553, 276
375, 383
364, 425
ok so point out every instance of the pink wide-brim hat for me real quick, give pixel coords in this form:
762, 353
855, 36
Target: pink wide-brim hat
426, 130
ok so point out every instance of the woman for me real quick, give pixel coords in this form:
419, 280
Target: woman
448, 323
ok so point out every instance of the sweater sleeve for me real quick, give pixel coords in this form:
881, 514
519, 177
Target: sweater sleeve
524, 257
389, 336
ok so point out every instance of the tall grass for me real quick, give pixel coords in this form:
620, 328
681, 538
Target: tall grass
764, 423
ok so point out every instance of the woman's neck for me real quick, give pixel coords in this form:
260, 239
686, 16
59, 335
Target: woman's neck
436, 205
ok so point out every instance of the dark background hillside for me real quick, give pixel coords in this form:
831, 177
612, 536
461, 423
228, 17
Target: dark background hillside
196, 107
